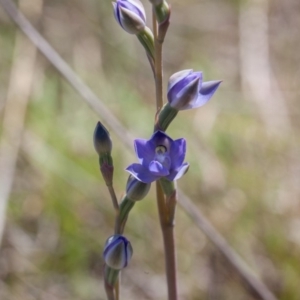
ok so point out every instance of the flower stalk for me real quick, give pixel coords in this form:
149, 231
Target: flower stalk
125, 207
158, 64
161, 159
167, 225
169, 189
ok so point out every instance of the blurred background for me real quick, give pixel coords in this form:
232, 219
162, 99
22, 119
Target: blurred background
243, 147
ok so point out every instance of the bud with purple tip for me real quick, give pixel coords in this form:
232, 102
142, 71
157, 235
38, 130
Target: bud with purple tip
117, 252
103, 146
102, 141
130, 14
187, 90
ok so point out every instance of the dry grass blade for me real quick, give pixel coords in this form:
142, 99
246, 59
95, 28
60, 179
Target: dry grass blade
85, 92
15, 110
261, 290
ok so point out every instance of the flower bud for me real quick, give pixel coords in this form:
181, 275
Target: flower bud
162, 11
130, 14
117, 252
186, 90
103, 146
102, 141
136, 190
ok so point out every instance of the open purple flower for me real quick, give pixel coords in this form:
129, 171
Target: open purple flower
186, 90
159, 157
130, 14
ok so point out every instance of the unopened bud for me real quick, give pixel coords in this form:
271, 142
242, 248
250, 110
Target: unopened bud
162, 11
136, 190
103, 146
117, 252
130, 14
186, 90
102, 141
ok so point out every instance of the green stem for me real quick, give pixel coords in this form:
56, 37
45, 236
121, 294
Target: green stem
111, 279
169, 189
164, 117
117, 287
125, 207
115, 204
109, 291
161, 204
147, 40
113, 197
167, 225
170, 260
158, 66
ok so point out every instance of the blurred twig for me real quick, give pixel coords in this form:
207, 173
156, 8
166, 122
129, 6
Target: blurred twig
126, 138
85, 92
15, 110
217, 239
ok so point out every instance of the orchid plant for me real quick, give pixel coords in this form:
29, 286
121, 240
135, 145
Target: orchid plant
161, 159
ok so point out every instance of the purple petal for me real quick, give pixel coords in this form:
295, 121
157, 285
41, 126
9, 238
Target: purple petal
135, 7
157, 169
206, 92
177, 153
175, 78
116, 12
181, 84
159, 138
185, 92
144, 150
178, 173
130, 21
138, 4
141, 173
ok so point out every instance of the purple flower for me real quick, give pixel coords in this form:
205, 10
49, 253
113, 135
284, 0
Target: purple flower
186, 90
159, 157
130, 14
117, 252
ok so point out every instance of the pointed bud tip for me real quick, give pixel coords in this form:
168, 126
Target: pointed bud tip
185, 92
209, 87
130, 15
102, 141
